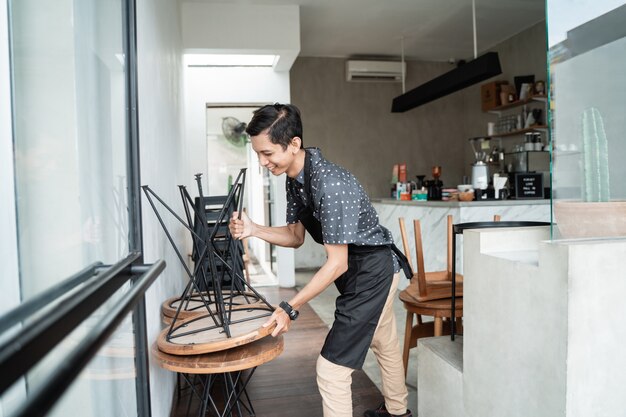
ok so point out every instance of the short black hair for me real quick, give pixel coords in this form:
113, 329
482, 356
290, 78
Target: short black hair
282, 122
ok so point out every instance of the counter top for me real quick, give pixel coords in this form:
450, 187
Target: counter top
433, 216
475, 203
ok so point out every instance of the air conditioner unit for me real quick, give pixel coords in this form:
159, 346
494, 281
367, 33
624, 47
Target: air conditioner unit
374, 71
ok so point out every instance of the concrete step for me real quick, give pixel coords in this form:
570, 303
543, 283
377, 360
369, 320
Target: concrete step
440, 377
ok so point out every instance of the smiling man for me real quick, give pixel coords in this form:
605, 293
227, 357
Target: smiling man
328, 201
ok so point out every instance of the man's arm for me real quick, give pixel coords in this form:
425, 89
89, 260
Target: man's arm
290, 236
336, 264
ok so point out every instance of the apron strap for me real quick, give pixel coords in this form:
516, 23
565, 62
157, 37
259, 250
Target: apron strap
403, 261
310, 223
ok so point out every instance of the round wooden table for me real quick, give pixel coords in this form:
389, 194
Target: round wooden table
203, 334
228, 365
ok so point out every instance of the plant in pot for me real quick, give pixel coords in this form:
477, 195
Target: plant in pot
596, 215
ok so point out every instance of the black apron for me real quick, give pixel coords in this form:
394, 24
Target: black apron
363, 290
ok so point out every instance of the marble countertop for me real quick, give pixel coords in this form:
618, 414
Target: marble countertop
476, 203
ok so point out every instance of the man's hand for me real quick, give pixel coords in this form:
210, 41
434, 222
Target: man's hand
282, 320
240, 228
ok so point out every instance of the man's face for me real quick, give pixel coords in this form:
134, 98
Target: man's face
272, 155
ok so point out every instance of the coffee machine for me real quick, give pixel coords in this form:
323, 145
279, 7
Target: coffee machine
435, 186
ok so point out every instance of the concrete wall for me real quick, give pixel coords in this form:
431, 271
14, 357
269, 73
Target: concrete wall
353, 125
537, 339
515, 325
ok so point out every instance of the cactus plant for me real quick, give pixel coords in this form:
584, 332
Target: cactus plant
595, 175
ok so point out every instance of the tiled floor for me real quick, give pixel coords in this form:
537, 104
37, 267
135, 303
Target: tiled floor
324, 306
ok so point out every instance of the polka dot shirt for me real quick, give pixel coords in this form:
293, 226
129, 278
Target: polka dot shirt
340, 204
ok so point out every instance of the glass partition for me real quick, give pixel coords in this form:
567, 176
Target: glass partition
587, 60
69, 139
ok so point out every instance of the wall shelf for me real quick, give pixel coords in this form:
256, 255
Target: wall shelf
498, 110
519, 132
524, 151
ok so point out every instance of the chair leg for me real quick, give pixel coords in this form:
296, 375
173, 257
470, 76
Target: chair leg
247, 272
407, 341
438, 326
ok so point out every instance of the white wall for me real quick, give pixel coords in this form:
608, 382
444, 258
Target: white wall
243, 28
236, 29
160, 114
204, 85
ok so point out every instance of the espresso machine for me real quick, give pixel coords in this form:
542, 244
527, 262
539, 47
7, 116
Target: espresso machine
435, 185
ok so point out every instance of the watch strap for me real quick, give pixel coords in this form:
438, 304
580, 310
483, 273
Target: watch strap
291, 312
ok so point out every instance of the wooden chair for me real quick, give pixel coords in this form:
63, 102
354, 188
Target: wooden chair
434, 285
437, 284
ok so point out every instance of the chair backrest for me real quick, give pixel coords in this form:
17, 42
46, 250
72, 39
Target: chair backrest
405, 242
419, 253
420, 249
420, 276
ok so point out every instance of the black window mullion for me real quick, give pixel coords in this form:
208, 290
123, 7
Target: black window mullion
135, 239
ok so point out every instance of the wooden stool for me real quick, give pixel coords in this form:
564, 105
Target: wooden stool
428, 293
438, 309
230, 364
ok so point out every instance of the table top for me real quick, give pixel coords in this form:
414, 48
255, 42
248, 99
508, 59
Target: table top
460, 227
200, 334
236, 359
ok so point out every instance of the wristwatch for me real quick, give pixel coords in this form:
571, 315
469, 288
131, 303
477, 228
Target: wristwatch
291, 312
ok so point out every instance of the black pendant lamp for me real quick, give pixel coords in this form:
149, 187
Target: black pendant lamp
480, 69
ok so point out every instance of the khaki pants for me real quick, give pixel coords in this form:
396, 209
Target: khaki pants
334, 380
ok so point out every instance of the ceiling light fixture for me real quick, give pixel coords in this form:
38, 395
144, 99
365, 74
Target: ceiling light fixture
475, 71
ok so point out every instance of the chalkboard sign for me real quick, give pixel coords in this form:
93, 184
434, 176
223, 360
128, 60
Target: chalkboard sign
528, 185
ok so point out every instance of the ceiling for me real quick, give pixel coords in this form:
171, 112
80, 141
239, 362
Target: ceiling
433, 30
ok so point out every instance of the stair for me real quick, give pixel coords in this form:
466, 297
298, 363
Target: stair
440, 377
